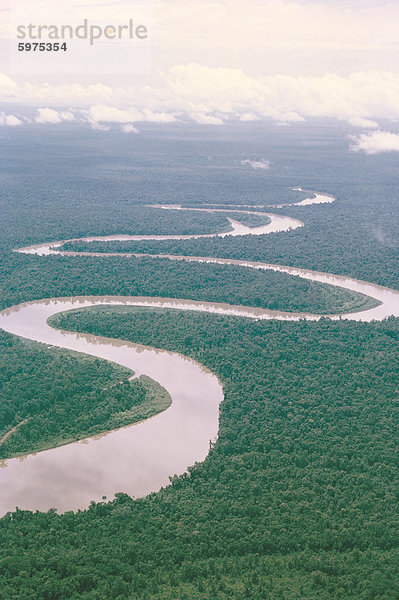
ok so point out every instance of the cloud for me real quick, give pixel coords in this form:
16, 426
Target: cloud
203, 92
98, 126
111, 114
376, 142
67, 115
257, 164
157, 117
8, 87
363, 123
302, 59
9, 120
216, 95
295, 37
129, 128
249, 117
99, 116
49, 115
205, 119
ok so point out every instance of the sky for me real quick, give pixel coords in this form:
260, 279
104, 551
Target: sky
209, 61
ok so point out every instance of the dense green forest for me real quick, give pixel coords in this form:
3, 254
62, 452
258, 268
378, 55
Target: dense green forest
60, 396
297, 498
64, 276
318, 245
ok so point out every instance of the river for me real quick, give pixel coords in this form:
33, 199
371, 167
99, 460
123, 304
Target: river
140, 458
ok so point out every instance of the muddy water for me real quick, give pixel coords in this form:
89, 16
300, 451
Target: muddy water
316, 198
137, 459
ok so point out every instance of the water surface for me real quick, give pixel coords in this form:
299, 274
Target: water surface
138, 459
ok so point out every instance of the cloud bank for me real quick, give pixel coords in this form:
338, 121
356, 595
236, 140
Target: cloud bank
376, 142
216, 95
291, 37
49, 115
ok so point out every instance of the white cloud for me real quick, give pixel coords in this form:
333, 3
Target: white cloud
257, 164
129, 128
214, 95
157, 117
376, 142
9, 120
363, 123
248, 116
48, 115
9, 88
67, 115
111, 114
98, 126
205, 119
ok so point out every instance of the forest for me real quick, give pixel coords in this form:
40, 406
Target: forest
76, 276
318, 246
298, 496
59, 396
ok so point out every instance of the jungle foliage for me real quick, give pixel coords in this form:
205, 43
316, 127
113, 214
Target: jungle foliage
54, 397
298, 496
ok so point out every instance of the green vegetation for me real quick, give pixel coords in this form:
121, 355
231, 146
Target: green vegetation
297, 499
310, 247
144, 276
52, 397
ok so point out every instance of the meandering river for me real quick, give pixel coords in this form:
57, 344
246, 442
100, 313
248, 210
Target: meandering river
140, 458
